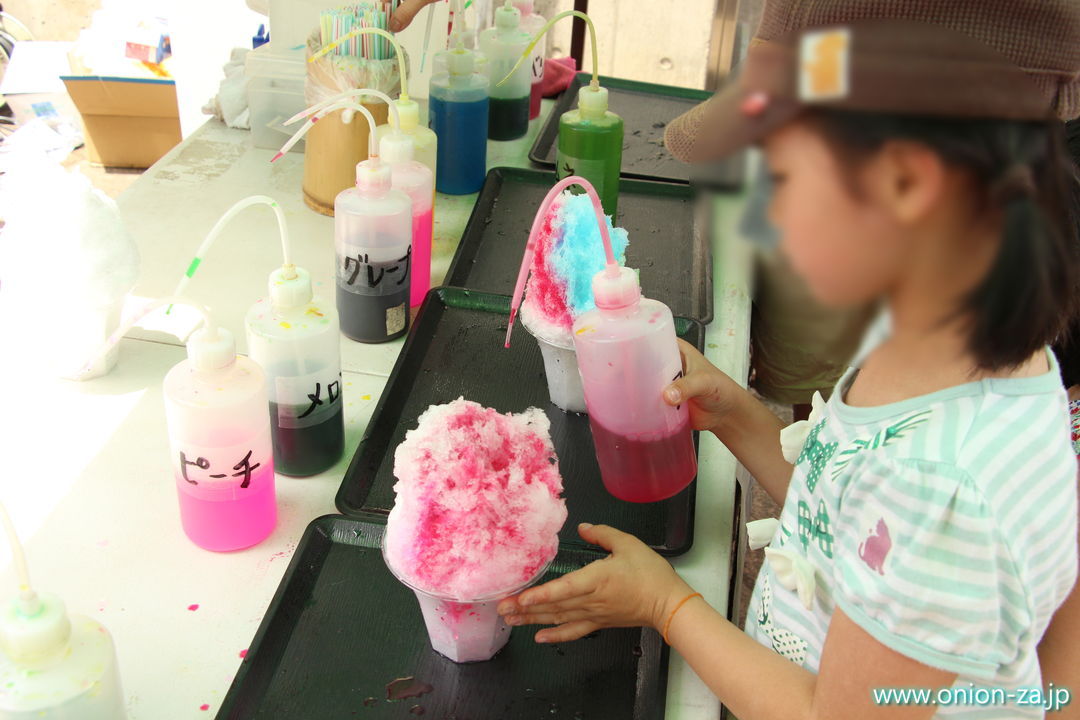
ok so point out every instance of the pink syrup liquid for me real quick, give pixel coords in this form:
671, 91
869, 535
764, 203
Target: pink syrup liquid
420, 282
536, 94
645, 471
238, 520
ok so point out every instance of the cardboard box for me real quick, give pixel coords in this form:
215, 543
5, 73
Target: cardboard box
128, 122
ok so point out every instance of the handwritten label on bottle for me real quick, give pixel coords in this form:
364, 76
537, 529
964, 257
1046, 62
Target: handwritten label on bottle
362, 274
226, 472
306, 400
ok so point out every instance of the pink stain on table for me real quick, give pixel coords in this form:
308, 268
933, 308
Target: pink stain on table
243, 654
204, 707
193, 607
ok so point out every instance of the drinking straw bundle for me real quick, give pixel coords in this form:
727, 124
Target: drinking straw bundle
338, 22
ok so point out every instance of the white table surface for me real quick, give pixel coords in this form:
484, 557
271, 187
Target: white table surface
86, 466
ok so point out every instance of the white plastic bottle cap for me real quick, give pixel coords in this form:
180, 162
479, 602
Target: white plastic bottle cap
32, 638
373, 177
408, 114
459, 61
396, 148
209, 353
593, 101
288, 292
507, 18
614, 290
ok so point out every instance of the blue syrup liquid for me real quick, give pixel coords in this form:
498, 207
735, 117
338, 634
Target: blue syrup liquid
462, 129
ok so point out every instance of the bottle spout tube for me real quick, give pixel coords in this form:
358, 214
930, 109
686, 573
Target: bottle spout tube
538, 221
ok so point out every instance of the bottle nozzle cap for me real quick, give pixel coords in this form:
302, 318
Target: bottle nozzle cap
507, 17
459, 61
290, 292
396, 148
373, 176
408, 114
214, 352
593, 100
30, 637
616, 287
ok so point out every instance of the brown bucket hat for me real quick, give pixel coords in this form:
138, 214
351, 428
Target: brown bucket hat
1009, 59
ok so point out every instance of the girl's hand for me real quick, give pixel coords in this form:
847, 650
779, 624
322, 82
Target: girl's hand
405, 13
632, 586
711, 394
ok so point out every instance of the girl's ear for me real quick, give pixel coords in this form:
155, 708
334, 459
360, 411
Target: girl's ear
907, 179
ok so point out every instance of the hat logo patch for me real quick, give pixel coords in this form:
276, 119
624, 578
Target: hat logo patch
824, 64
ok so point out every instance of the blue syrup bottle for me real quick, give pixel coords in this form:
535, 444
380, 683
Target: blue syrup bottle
458, 113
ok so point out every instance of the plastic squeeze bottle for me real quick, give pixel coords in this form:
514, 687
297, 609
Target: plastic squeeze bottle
293, 336
627, 355
219, 431
458, 113
590, 136
373, 246
415, 180
503, 44
532, 23
53, 666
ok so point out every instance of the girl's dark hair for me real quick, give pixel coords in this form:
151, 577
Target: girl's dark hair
1029, 297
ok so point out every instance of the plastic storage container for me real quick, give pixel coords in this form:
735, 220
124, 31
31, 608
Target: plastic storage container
275, 92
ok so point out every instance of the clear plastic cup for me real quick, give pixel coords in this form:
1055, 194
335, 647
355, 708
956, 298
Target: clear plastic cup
561, 369
464, 630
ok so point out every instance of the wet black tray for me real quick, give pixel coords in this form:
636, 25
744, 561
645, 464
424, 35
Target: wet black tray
341, 627
671, 250
646, 109
455, 349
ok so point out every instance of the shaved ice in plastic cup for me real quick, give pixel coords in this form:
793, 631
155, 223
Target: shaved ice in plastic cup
476, 519
560, 362
568, 253
465, 630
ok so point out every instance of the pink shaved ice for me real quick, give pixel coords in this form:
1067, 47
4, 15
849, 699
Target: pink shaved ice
478, 506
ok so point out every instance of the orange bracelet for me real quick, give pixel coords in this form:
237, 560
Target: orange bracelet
667, 625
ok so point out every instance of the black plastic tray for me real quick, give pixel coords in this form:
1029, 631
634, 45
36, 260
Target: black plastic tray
646, 109
456, 350
341, 627
666, 245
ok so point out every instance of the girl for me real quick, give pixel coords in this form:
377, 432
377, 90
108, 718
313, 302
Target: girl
929, 525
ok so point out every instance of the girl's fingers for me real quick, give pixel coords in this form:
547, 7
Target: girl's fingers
548, 618
566, 633
575, 603
568, 586
405, 13
603, 535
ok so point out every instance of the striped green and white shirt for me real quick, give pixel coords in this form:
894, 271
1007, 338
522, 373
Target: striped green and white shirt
944, 525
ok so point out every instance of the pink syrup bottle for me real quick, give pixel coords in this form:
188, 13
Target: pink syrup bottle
219, 433
416, 180
627, 355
